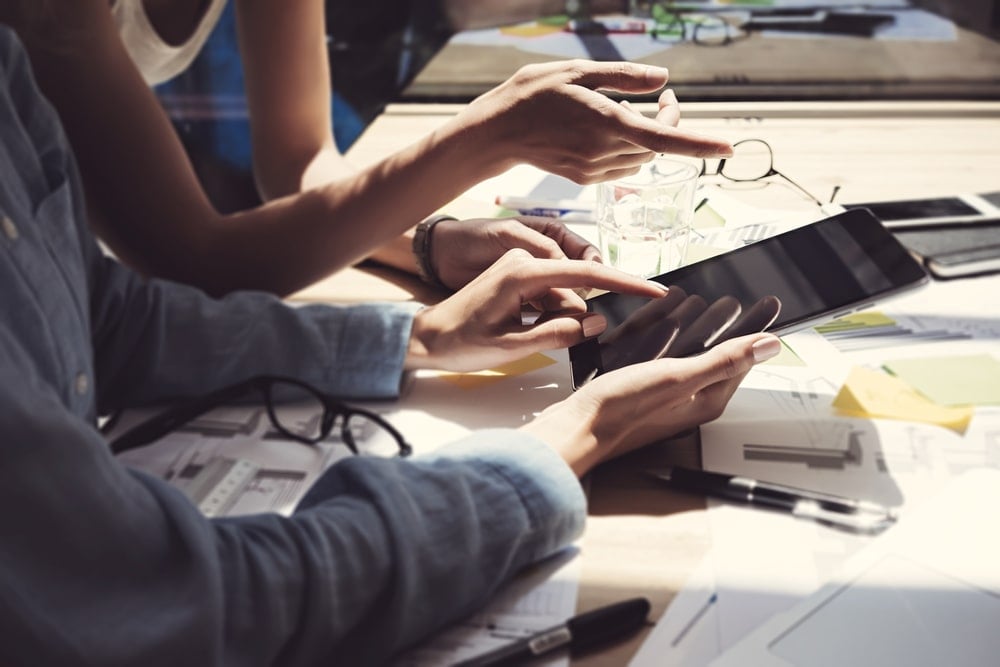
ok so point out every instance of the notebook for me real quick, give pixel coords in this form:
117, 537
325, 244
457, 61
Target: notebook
956, 250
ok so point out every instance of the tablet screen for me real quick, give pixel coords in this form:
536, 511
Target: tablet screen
820, 271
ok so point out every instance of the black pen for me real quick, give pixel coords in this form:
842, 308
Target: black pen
578, 633
856, 515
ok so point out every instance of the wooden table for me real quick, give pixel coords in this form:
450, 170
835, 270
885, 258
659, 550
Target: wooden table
641, 539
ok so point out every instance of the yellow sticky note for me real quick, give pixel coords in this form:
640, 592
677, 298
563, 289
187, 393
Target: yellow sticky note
537, 29
868, 393
964, 380
480, 378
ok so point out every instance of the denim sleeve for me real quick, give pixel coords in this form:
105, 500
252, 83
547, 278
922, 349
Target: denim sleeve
155, 339
102, 565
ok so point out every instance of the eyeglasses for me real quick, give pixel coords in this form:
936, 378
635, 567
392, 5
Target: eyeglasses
752, 160
298, 411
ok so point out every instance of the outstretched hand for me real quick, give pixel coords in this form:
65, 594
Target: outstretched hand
553, 116
634, 406
483, 324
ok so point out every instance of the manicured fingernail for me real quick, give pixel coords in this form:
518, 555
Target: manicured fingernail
657, 73
663, 288
725, 152
567, 304
766, 348
593, 325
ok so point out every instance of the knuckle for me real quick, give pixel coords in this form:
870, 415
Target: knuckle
578, 67
527, 72
517, 256
591, 152
577, 175
625, 69
588, 178
732, 366
564, 334
506, 227
550, 246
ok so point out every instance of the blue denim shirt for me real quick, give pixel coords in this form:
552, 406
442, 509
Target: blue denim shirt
103, 565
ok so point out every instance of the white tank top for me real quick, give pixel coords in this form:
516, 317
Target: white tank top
157, 60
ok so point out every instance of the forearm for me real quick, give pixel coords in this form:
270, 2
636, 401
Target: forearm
156, 340
151, 210
376, 540
460, 523
372, 213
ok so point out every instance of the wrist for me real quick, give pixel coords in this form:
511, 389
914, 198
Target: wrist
422, 246
423, 336
484, 131
570, 432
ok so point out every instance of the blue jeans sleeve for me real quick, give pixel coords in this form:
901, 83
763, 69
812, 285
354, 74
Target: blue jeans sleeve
461, 524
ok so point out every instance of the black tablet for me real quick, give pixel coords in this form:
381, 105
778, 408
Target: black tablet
820, 271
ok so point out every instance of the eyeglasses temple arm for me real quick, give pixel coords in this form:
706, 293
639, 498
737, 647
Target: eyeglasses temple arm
158, 426
801, 189
171, 419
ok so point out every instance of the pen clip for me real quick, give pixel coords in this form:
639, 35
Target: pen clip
858, 521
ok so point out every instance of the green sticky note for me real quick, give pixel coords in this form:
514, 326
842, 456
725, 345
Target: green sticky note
966, 380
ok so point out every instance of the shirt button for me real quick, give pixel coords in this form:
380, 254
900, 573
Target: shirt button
9, 228
82, 384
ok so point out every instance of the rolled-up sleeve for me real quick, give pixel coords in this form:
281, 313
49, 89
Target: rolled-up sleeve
156, 340
101, 565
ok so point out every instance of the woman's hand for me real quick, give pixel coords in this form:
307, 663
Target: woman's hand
625, 409
552, 116
680, 325
483, 325
462, 249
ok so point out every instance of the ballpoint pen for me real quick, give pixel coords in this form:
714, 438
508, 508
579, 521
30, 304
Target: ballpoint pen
549, 208
578, 633
856, 515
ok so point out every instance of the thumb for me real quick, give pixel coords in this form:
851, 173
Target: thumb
560, 331
623, 77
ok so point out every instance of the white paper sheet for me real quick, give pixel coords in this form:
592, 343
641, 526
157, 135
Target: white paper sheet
927, 592
541, 598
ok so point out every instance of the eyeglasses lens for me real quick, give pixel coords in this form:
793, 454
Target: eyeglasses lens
751, 160
299, 412
711, 31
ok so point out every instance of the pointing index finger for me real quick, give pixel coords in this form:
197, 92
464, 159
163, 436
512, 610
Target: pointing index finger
544, 274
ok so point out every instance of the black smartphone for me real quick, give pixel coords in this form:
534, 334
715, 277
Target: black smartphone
818, 272
911, 213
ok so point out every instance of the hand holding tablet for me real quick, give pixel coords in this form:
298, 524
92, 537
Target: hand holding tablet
787, 282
